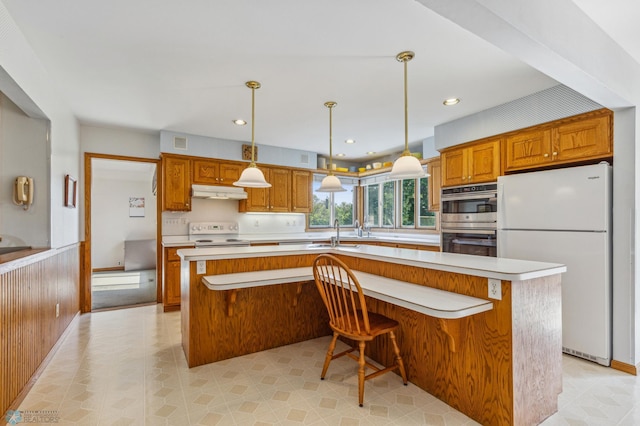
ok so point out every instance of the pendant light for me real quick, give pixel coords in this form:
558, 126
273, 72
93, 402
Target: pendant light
330, 183
252, 176
407, 166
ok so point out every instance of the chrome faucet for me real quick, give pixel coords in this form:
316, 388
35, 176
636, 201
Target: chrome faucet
336, 224
367, 226
357, 228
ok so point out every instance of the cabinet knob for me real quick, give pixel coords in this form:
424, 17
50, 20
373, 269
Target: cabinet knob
294, 207
555, 153
546, 155
469, 177
464, 178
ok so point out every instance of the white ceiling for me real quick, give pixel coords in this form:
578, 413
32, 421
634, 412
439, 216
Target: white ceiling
167, 65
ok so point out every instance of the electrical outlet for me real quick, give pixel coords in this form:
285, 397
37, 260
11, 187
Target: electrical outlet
495, 289
257, 223
201, 267
57, 310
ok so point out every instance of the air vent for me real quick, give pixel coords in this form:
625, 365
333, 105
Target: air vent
304, 159
180, 142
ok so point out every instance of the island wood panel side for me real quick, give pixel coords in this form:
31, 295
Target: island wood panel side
476, 379
263, 317
537, 348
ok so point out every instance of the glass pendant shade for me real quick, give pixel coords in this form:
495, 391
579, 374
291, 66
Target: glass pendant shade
252, 176
330, 184
407, 167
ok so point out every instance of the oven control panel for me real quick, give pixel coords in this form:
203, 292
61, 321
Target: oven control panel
213, 228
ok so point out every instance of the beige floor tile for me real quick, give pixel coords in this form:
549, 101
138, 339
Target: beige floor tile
126, 367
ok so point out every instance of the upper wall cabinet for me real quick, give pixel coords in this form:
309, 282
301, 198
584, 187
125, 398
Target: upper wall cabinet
274, 199
176, 181
301, 191
472, 163
435, 184
216, 172
586, 137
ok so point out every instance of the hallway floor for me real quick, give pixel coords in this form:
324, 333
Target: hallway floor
126, 367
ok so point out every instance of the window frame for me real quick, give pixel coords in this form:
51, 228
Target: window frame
353, 183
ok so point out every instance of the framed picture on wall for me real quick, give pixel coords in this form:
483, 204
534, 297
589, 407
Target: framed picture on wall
136, 206
70, 191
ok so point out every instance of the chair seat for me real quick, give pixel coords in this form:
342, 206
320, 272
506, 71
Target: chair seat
379, 324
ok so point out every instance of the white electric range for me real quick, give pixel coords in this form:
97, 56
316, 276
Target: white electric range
216, 234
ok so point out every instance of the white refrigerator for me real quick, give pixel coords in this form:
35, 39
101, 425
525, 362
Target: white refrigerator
564, 216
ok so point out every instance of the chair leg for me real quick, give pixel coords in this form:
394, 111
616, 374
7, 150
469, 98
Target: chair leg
329, 355
361, 373
399, 362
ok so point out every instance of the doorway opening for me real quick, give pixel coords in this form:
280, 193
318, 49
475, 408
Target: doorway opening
123, 232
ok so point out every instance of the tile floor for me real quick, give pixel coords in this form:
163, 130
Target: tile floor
126, 367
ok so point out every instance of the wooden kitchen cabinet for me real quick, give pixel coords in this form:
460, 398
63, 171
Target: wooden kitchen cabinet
176, 181
435, 184
274, 199
587, 137
301, 194
171, 281
471, 163
215, 172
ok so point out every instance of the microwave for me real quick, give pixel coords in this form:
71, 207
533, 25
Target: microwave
469, 206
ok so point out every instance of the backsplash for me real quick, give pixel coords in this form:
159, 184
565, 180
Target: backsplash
177, 223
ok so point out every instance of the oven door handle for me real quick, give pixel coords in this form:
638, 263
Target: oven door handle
470, 231
491, 196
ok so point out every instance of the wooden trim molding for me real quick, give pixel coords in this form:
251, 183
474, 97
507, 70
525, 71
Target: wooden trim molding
625, 368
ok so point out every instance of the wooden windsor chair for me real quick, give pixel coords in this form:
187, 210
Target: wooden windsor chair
349, 317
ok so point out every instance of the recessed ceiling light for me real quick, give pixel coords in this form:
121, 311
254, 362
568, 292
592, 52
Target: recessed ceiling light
451, 101
350, 141
370, 152
341, 154
239, 122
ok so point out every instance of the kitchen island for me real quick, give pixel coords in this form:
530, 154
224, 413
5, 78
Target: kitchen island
499, 365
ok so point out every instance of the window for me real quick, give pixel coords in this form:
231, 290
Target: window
329, 206
398, 204
380, 204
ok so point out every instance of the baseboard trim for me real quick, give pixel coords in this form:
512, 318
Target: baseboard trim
626, 368
110, 269
45, 362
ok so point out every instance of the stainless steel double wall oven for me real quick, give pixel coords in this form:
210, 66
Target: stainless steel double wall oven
469, 219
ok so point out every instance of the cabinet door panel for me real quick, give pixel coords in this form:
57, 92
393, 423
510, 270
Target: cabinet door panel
177, 183
172, 284
301, 195
280, 194
435, 184
583, 140
484, 162
205, 172
230, 172
454, 167
527, 149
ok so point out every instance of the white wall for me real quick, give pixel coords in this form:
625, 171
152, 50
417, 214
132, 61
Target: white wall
111, 223
27, 84
24, 151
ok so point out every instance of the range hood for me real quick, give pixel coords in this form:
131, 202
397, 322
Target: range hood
214, 192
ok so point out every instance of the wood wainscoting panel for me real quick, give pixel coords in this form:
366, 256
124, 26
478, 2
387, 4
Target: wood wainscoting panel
263, 317
29, 327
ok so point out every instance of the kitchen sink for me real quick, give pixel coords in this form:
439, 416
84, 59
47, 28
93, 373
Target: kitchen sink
329, 246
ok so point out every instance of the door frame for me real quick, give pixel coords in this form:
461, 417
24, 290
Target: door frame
85, 251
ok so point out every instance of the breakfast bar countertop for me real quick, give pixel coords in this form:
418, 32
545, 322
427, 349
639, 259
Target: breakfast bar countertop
489, 267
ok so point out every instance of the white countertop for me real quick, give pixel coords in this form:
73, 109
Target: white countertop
490, 267
308, 237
